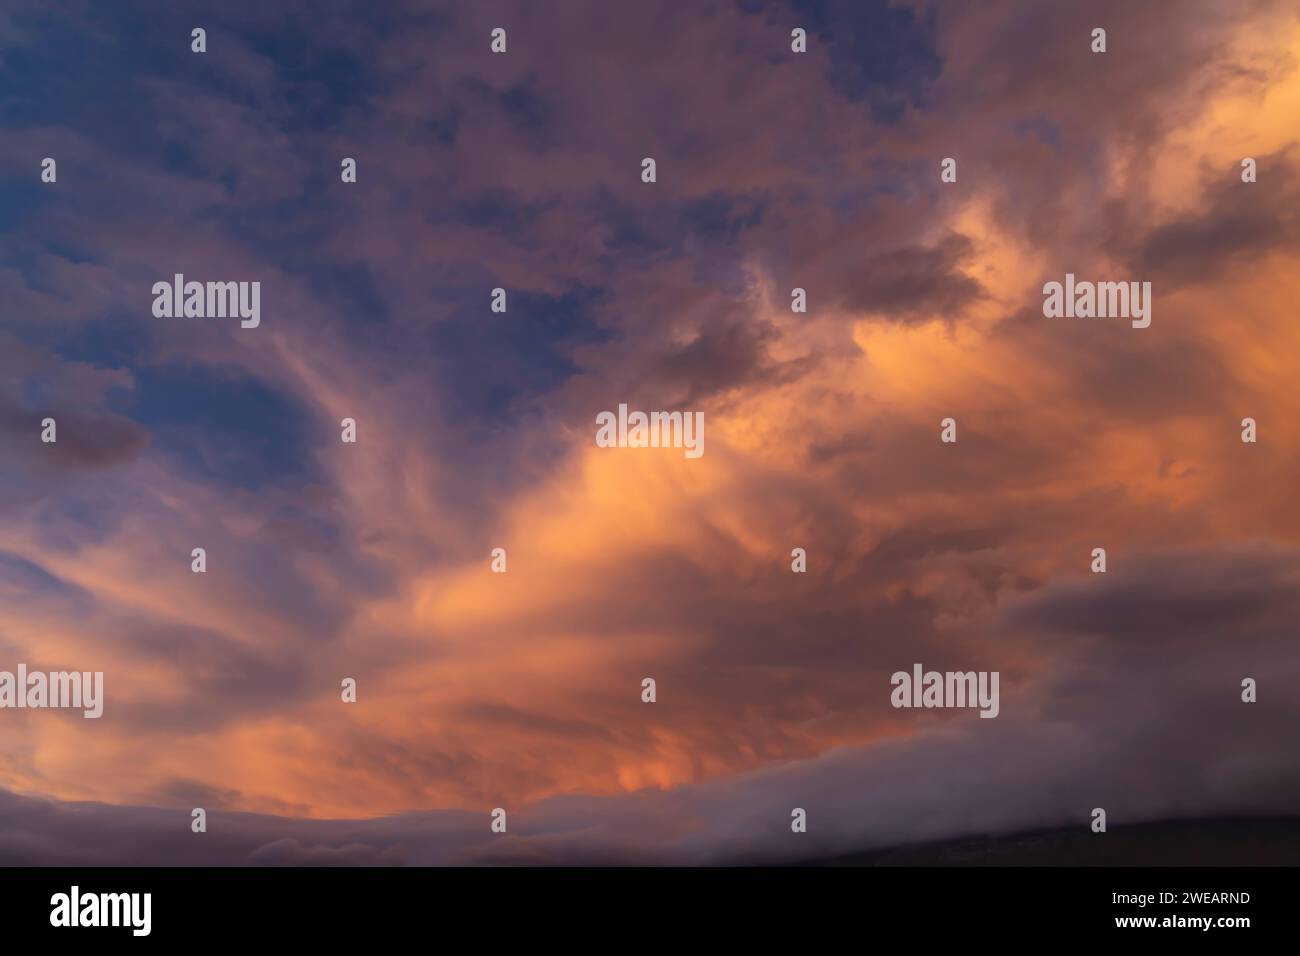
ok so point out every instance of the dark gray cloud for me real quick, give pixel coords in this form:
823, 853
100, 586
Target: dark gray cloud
914, 281
1235, 223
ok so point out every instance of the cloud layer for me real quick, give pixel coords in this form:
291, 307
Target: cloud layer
775, 171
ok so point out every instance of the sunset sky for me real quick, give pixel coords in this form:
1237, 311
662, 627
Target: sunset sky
775, 170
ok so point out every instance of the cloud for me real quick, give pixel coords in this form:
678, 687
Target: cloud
328, 560
1144, 719
1234, 223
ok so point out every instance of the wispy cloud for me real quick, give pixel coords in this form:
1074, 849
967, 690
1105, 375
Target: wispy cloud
776, 171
